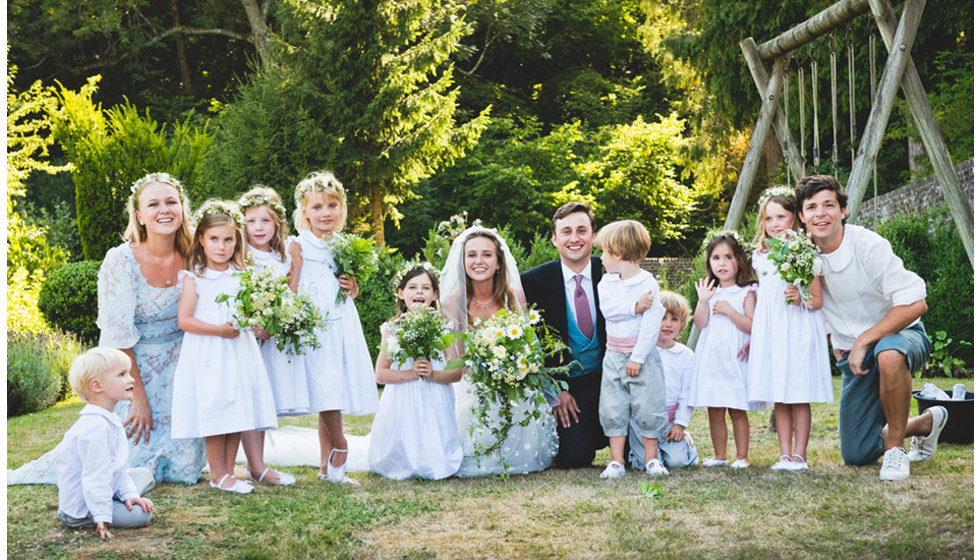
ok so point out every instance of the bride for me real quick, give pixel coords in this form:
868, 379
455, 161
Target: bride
479, 279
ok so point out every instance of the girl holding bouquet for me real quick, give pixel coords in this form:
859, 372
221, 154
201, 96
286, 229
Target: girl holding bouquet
788, 362
339, 373
220, 385
479, 279
414, 432
266, 230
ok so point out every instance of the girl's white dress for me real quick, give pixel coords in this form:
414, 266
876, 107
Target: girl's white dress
339, 374
720, 379
287, 373
414, 432
220, 385
789, 360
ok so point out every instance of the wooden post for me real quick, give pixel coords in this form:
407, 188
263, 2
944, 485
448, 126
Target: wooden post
884, 101
840, 13
932, 139
780, 126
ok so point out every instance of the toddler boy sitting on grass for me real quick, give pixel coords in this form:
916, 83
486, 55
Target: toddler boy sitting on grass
95, 484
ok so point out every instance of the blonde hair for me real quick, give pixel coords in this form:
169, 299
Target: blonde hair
321, 182
627, 239
788, 203
136, 232
257, 195
677, 305
197, 261
92, 365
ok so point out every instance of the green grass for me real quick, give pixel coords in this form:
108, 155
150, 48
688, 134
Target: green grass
832, 511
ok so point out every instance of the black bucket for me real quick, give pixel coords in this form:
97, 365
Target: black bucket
959, 426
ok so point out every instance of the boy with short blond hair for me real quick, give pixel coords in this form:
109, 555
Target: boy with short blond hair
632, 375
95, 487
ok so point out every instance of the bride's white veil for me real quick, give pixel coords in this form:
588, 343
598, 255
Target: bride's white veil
452, 282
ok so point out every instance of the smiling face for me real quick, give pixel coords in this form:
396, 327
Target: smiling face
218, 243
323, 212
480, 259
777, 220
159, 209
260, 227
723, 264
573, 237
824, 219
418, 292
670, 327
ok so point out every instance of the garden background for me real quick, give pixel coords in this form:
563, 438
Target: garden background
497, 110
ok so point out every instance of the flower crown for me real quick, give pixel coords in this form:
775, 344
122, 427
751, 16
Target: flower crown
721, 232
151, 178
410, 266
319, 181
246, 203
778, 190
219, 207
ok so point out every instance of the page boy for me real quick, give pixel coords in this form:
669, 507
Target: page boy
95, 488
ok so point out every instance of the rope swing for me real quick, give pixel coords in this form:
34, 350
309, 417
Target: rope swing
833, 97
816, 123
873, 72
801, 81
850, 87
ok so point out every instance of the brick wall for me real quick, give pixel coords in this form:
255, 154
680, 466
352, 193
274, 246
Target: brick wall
670, 272
924, 193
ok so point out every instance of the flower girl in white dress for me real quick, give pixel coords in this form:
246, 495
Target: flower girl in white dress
414, 432
220, 385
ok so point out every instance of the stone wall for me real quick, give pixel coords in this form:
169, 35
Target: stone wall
917, 195
670, 272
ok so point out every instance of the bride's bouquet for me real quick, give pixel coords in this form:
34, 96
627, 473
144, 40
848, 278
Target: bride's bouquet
353, 256
265, 301
420, 335
506, 356
795, 257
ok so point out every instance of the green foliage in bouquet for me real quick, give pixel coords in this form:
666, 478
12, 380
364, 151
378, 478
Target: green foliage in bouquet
796, 260
419, 335
353, 256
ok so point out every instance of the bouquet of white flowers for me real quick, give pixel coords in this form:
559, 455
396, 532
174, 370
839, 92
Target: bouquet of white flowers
795, 257
264, 300
353, 256
419, 335
506, 356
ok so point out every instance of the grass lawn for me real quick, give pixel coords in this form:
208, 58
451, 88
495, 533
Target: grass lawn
831, 511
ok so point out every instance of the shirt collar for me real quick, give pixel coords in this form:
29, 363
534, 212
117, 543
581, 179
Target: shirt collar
312, 238
838, 259
569, 274
212, 274
91, 409
677, 348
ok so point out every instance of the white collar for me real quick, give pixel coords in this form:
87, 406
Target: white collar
212, 274
838, 259
94, 410
312, 238
675, 349
569, 274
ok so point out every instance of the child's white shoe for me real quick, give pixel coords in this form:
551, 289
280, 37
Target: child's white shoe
240, 486
713, 462
739, 464
656, 468
614, 469
285, 479
783, 464
338, 474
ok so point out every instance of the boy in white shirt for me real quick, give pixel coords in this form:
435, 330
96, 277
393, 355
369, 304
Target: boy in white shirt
94, 484
632, 375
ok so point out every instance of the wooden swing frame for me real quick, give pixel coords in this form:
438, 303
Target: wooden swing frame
898, 71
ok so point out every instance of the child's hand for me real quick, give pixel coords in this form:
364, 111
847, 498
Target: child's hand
722, 308
705, 288
645, 303
229, 331
675, 433
743, 352
349, 285
261, 333
633, 368
792, 294
102, 529
422, 368
144, 503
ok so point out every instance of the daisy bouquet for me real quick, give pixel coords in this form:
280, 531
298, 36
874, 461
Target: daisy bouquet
263, 300
506, 356
353, 256
795, 257
420, 335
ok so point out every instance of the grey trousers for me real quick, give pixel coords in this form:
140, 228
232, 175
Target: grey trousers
122, 517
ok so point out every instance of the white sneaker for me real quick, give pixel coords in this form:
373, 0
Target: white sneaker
656, 468
894, 465
712, 462
923, 448
614, 469
739, 464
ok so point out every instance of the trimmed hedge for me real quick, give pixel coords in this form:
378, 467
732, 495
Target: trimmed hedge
69, 299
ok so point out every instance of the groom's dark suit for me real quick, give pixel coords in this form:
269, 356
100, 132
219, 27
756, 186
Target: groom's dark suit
544, 287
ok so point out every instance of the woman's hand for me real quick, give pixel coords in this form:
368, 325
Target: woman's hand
140, 420
422, 368
705, 288
349, 285
792, 295
261, 333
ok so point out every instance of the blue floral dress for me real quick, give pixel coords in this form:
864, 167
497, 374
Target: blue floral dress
133, 314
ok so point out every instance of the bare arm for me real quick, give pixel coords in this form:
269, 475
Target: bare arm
448, 376
705, 289
185, 315
742, 321
296, 252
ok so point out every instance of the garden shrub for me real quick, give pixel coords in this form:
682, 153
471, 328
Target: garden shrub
376, 300
37, 369
69, 299
22, 312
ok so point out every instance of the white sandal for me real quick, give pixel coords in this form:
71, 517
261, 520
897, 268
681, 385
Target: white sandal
285, 479
240, 486
338, 474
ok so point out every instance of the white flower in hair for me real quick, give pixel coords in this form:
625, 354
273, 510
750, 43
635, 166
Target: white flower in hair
245, 203
154, 178
212, 207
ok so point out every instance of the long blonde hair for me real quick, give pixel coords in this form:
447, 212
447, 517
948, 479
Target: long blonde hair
322, 182
136, 232
257, 197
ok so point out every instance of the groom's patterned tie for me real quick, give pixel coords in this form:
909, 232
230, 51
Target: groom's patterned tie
582, 314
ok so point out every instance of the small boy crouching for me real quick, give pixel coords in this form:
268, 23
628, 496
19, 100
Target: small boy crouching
95, 488
632, 375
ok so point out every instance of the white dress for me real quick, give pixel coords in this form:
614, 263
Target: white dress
287, 373
788, 360
339, 374
720, 379
414, 432
220, 384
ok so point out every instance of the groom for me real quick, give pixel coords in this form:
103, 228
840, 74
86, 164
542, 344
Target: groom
564, 290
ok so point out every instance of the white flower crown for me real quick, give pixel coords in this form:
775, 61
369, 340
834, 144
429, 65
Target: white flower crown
219, 207
721, 232
154, 177
778, 190
246, 203
410, 266
319, 181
